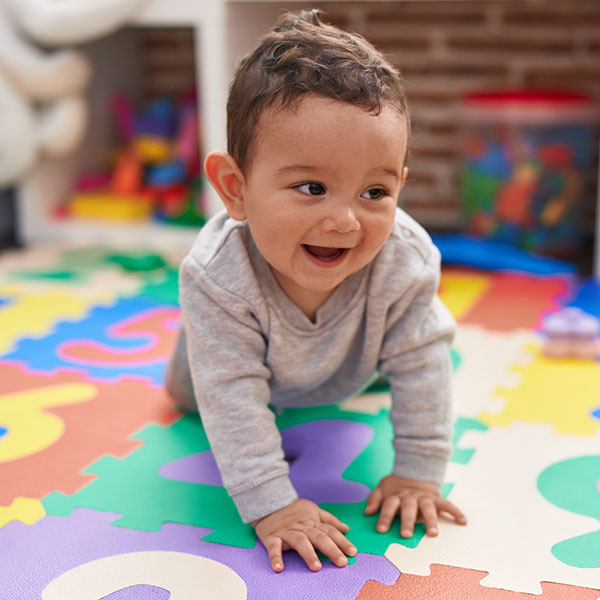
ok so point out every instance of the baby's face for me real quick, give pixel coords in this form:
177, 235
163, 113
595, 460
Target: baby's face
321, 191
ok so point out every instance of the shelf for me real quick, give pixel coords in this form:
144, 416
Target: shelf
50, 183
149, 235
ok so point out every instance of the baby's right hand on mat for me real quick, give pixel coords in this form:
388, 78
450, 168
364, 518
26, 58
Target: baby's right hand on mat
304, 527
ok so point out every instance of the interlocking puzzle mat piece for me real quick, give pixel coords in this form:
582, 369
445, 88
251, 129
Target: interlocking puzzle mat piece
57, 425
562, 392
101, 286
374, 464
176, 572
487, 358
176, 470
304, 447
574, 485
462, 425
452, 583
28, 428
512, 527
154, 485
134, 488
26, 510
371, 403
153, 325
133, 337
460, 290
497, 309
38, 256
587, 297
35, 314
49, 556
94, 273
163, 286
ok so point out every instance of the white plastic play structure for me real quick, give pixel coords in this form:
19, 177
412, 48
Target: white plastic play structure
42, 105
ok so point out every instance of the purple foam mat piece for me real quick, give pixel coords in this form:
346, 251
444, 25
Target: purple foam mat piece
304, 446
35, 555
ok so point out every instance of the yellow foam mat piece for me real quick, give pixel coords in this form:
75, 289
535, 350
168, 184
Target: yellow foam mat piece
26, 510
31, 429
460, 291
562, 392
31, 315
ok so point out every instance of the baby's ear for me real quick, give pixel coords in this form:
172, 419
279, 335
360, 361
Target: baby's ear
404, 176
226, 177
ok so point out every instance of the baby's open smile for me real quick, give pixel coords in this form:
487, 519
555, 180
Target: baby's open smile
325, 255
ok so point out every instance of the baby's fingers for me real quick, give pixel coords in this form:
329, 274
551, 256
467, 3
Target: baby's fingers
430, 515
446, 506
342, 542
329, 519
304, 547
408, 516
374, 501
389, 508
324, 542
273, 546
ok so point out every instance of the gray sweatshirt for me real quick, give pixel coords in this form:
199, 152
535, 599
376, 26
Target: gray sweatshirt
244, 346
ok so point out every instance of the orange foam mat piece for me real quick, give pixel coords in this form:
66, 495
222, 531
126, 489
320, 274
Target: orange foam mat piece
454, 583
516, 302
97, 419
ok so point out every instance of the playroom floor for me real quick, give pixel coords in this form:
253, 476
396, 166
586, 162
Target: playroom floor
106, 491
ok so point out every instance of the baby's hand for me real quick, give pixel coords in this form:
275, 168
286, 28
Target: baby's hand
412, 499
303, 526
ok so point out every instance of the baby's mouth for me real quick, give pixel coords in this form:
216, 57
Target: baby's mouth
324, 253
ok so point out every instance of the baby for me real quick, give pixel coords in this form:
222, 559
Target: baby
311, 283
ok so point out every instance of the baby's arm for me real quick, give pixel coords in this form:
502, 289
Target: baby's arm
416, 357
225, 351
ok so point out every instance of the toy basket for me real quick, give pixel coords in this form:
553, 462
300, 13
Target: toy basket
527, 167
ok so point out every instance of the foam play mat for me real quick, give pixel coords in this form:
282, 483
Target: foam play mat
108, 491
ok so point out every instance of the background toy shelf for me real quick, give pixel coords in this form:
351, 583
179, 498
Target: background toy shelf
51, 182
452, 47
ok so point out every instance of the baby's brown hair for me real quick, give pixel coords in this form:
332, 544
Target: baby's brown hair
300, 55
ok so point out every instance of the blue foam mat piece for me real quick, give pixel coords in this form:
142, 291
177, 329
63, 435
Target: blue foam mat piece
587, 297
493, 255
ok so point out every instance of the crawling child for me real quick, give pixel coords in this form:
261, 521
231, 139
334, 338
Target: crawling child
311, 282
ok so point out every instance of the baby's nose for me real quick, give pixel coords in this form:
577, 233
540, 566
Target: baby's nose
341, 219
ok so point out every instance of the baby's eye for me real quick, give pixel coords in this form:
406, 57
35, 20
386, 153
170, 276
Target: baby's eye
374, 194
311, 189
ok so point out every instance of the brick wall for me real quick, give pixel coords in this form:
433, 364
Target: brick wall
168, 61
449, 47
443, 48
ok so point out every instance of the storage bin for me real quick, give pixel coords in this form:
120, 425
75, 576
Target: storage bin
527, 167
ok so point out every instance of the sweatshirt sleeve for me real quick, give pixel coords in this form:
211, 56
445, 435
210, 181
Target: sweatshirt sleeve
226, 349
416, 358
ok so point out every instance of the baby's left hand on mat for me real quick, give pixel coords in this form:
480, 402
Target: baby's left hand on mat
414, 500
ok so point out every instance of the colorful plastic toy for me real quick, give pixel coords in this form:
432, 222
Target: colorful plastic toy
104, 205
571, 333
156, 170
